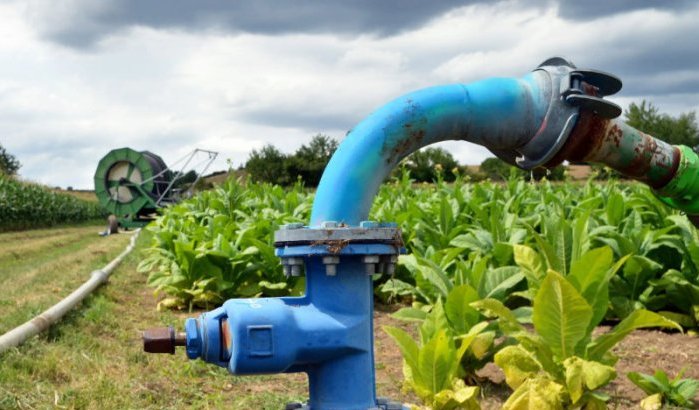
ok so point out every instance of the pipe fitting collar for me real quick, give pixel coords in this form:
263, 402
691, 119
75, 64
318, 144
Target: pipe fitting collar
570, 90
559, 120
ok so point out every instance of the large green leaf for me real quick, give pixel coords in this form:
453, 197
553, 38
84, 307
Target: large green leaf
560, 315
636, 320
435, 321
581, 237
459, 396
591, 268
461, 316
498, 282
531, 264
435, 360
408, 348
494, 308
536, 394
615, 208
411, 314
518, 365
583, 374
559, 239
591, 275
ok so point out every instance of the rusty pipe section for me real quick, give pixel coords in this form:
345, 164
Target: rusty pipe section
613, 143
671, 170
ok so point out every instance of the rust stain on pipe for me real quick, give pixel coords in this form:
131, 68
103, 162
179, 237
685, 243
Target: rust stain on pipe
621, 147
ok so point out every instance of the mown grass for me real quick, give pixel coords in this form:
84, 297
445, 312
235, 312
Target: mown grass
93, 359
42, 267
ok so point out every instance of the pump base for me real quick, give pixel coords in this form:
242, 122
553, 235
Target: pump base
381, 404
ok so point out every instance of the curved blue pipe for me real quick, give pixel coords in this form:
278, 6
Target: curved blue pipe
501, 114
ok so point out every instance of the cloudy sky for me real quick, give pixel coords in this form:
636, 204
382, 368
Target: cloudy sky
81, 77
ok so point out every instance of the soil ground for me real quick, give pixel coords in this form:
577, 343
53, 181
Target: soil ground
93, 359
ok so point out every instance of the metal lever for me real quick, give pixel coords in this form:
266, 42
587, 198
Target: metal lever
586, 88
600, 106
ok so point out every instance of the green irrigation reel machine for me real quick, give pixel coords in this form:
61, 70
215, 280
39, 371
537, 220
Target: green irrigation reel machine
132, 185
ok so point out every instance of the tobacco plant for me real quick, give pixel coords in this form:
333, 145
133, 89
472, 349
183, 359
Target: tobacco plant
559, 364
453, 343
498, 238
219, 245
663, 391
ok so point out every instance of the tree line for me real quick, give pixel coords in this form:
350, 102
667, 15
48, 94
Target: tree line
307, 163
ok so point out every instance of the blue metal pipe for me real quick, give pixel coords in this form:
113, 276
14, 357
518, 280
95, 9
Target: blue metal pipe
502, 114
328, 332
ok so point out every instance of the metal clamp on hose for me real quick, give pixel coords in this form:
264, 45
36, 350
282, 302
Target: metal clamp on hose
572, 89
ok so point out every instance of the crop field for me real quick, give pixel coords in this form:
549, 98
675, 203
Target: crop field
483, 263
25, 206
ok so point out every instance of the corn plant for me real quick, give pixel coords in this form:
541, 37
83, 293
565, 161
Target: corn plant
25, 205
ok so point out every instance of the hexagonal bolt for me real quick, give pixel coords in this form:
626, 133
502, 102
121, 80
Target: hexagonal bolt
370, 262
328, 224
292, 261
292, 266
163, 340
388, 264
331, 263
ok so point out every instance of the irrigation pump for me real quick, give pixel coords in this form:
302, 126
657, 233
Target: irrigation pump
555, 113
132, 185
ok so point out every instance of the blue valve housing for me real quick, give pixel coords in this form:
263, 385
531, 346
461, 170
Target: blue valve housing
327, 333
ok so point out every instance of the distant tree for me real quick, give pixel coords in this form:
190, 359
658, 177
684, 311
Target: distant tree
497, 169
309, 161
427, 164
185, 180
267, 165
9, 165
680, 130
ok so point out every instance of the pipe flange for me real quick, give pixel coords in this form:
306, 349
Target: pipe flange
328, 232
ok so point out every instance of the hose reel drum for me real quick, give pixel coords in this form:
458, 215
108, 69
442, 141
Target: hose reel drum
132, 185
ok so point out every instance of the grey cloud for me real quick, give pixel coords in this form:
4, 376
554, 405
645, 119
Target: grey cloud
592, 9
642, 86
308, 119
81, 27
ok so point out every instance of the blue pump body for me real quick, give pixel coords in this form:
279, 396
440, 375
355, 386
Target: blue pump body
327, 333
